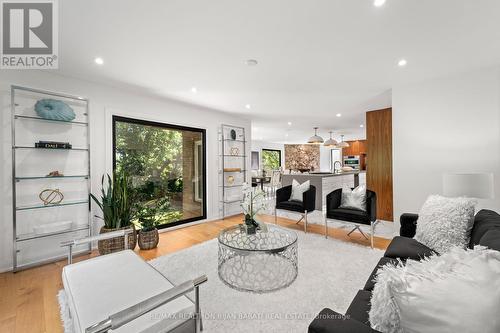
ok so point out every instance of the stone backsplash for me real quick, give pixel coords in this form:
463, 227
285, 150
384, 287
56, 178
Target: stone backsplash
302, 157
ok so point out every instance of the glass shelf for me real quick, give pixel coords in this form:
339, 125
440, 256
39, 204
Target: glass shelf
32, 249
69, 203
240, 171
51, 177
230, 201
31, 236
41, 148
230, 185
50, 120
233, 155
230, 140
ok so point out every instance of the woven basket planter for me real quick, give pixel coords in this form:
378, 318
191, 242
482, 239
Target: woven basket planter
148, 239
116, 244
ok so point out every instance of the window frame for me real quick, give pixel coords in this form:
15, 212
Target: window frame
116, 118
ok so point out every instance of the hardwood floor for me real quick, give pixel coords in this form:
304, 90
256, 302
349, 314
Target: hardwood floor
28, 300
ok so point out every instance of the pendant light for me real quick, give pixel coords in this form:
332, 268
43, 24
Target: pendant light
331, 142
315, 138
342, 143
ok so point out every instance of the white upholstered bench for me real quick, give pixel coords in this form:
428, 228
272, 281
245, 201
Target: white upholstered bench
120, 292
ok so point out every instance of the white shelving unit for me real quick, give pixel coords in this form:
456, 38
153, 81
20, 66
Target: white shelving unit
232, 168
30, 168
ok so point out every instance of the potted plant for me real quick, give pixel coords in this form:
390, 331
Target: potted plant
148, 216
116, 207
253, 203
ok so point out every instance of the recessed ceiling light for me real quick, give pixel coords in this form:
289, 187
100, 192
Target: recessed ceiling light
339, 114
248, 106
361, 125
378, 3
251, 62
194, 90
99, 61
402, 63
286, 135
260, 138
289, 123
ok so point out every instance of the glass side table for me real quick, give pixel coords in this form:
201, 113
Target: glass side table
262, 262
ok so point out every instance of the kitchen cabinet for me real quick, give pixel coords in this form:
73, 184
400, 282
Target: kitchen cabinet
357, 147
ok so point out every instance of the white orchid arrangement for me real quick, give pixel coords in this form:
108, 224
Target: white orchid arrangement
254, 201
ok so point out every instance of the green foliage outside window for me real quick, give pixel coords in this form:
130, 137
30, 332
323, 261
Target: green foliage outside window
271, 159
152, 158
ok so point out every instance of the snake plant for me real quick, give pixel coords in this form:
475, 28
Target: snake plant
115, 202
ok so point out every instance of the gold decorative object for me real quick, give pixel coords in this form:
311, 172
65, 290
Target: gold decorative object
51, 196
230, 180
234, 151
55, 173
232, 169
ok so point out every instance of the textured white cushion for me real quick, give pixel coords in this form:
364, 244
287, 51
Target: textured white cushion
445, 222
354, 198
102, 286
298, 190
455, 292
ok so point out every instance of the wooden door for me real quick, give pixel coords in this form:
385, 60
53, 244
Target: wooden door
379, 160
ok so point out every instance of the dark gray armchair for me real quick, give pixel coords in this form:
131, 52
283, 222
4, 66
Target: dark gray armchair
368, 217
305, 206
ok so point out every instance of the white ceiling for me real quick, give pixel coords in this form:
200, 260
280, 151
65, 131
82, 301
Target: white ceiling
316, 58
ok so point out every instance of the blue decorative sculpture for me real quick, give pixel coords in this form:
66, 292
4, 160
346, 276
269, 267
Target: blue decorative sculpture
53, 109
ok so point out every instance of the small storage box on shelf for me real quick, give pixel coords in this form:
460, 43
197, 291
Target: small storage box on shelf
39, 227
232, 168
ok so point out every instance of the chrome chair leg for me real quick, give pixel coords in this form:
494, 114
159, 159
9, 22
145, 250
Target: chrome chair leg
326, 227
305, 222
371, 234
359, 229
275, 215
373, 224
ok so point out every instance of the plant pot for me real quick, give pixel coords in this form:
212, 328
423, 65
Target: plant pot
116, 244
148, 239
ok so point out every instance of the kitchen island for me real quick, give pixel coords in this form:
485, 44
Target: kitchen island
326, 182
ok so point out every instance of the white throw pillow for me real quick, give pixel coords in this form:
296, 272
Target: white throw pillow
354, 199
445, 222
299, 189
456, 292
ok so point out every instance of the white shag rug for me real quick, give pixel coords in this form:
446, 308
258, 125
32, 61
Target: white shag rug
330, 274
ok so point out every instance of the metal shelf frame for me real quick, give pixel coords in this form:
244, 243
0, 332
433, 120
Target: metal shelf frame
224, 142
37, 93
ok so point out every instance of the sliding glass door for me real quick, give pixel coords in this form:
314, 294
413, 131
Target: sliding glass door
166, 167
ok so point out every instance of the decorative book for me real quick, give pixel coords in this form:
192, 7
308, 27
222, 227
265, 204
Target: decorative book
53, 145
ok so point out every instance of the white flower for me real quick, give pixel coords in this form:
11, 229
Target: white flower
253, 201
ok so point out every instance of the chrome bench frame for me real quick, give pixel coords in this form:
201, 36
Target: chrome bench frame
133, 312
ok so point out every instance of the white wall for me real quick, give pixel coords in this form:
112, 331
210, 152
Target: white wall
104, 102
445, 125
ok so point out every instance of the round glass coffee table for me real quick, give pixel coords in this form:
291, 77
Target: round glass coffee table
262, 262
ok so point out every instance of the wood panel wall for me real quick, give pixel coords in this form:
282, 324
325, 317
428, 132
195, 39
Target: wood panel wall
379, 160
